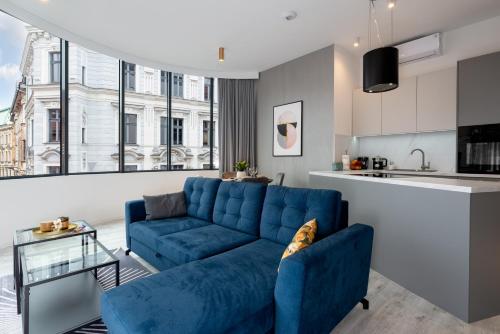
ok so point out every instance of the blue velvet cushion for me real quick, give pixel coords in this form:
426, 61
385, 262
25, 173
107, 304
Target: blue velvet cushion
215, 295
200, 196
199, 243
239, 206
287, 209
148, 231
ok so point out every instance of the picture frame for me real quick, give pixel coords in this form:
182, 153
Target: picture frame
287, 129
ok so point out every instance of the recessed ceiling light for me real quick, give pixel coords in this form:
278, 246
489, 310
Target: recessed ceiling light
356, 42
221, 54
44, 1
391, 4
290, 15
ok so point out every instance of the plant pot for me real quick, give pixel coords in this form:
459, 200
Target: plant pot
240, 175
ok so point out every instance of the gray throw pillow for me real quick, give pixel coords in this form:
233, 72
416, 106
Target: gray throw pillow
165, 206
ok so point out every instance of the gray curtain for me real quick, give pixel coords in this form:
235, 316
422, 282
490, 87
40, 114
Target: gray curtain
237, 122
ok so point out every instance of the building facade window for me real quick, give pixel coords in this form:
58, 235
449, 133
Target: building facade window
84, 161
55, 67
177, 167
54, 121
163, 130
206, 89
84, 75
130, 129
178, 85
53, 170
129, 76
131, 168
177, 131
163, 83
206, 133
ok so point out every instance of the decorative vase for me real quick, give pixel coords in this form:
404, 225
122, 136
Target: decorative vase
241, 174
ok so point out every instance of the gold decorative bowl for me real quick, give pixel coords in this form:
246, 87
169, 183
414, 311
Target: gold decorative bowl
36, 231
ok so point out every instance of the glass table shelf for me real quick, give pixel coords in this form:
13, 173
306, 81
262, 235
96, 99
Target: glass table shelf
44, 262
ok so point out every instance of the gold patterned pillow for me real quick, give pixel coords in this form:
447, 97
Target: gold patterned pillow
302, 239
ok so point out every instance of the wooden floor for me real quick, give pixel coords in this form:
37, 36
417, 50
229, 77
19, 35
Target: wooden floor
393, 309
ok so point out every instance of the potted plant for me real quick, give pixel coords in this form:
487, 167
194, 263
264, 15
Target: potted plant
241, 167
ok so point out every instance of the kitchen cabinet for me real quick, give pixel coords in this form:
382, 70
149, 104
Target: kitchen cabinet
479, 90
437, 101
367, 113
399, 108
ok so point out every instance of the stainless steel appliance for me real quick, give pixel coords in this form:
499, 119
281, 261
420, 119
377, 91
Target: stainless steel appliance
478, 149
379, 163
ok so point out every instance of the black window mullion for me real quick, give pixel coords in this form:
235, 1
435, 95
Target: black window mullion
121, 116
169, 127
211, 130
63, 110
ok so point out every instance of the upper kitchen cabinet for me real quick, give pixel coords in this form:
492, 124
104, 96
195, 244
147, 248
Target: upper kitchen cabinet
367, 114
399, 108
479, 90
437, 101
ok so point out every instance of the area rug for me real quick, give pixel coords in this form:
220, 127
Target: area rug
10, 322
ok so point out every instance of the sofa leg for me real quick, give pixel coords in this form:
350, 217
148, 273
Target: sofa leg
365, 303
127, 252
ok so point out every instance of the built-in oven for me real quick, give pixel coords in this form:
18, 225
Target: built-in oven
478, 149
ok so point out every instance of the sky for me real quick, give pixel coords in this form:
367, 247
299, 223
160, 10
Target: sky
12, 38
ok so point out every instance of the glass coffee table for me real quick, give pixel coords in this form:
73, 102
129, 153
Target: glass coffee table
57, 281
27, 237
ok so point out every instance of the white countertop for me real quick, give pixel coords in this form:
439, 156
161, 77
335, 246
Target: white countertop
440, 181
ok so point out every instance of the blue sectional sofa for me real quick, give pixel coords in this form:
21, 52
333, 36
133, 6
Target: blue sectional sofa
219, 264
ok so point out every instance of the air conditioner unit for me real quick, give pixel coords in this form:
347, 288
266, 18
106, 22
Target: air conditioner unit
420, 48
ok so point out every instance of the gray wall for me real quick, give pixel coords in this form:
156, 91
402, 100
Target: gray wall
309, 78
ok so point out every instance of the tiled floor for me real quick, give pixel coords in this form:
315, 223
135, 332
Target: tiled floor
393, 309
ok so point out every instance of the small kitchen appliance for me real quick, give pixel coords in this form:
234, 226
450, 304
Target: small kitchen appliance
379, 163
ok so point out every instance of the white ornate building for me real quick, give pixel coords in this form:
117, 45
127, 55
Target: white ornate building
93, 112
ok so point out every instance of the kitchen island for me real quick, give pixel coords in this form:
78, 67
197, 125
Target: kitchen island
439, 237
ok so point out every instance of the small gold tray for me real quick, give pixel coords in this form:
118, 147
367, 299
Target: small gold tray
36, 231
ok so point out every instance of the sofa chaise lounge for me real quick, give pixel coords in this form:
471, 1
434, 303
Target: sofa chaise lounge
219, 264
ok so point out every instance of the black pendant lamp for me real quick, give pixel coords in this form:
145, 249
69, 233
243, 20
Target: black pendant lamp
380, 66
381, 70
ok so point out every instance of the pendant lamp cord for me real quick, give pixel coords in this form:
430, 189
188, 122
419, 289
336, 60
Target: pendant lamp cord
370, 4
392, 26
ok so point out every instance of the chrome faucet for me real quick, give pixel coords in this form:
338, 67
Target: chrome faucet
424, 166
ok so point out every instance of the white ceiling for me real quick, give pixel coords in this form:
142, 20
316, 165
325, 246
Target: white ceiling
186, 34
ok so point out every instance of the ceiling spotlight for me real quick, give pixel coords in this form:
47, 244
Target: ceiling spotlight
391, 4
221, 54
290, 15
356, 42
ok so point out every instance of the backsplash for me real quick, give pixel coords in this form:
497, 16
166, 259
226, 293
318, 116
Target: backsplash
439, 148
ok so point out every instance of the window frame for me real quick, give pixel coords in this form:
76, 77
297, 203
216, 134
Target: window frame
127, 82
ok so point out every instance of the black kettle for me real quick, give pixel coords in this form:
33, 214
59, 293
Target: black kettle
379, 163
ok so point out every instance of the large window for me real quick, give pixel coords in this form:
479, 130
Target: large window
114, 116
93, 111
30, 116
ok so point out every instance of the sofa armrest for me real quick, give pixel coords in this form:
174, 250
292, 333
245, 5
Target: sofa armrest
319, 285
134, 211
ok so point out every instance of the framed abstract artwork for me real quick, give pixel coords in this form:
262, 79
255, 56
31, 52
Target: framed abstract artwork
287, 130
